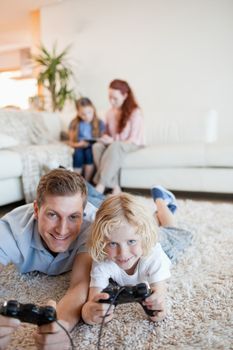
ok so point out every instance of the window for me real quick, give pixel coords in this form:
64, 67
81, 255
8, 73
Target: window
15, 90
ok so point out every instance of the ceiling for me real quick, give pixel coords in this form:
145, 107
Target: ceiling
16, 10
15, 23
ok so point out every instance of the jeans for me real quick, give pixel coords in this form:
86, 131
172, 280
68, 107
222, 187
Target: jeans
82, 156
94, 197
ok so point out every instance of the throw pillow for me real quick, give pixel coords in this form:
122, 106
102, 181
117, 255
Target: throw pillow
7, 141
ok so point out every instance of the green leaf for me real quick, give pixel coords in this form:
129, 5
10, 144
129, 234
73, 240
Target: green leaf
55, 75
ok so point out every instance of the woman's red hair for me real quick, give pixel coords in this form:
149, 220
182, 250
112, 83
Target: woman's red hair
129, 104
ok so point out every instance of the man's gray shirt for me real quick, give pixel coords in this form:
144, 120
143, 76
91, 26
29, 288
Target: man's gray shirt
21, 244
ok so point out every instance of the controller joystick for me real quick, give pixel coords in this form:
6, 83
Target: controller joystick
29, 313
127, 294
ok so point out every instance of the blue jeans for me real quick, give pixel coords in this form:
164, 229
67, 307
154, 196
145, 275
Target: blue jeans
94, 197
82, 156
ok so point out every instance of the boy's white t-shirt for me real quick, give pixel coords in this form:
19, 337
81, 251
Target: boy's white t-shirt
150, 269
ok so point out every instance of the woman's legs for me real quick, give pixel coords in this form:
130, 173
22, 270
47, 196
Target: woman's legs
110, 164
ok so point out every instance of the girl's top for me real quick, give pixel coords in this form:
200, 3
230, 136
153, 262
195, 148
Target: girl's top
84, 131
151, 269
133, 131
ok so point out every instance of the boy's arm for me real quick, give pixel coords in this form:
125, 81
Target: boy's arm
69, 307
156, 301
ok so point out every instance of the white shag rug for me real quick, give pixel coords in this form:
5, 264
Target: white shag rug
199, 298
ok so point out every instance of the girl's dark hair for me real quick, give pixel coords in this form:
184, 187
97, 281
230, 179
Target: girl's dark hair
129, 104
86, 102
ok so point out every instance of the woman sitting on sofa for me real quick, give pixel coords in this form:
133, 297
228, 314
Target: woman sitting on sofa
124, 133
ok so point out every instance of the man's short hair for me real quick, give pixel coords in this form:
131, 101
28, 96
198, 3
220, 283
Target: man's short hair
61, 182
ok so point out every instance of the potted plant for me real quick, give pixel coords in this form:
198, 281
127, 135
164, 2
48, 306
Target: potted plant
55, 74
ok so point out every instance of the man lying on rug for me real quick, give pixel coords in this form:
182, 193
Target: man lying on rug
50, 237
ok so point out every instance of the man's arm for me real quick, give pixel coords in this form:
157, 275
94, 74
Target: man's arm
69, 307
157, 300
7, 326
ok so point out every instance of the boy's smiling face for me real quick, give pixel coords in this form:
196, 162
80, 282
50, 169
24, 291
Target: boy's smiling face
124, 247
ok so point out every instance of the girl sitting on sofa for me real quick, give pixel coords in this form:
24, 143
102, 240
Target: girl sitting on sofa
84, 129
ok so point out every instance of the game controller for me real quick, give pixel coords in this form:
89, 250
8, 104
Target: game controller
29, 313
127, 294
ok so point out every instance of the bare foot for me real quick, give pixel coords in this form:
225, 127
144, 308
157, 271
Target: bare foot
116, 190
100, 188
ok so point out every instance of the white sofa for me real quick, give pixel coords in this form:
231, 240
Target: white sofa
184, 155
194, 155
17, 135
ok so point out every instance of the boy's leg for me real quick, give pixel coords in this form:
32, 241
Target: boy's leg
94, 197
161, 192
166, 204
163, 214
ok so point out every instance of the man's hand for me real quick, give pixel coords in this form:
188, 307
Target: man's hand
156, 301
52, 336
93, 311
7, 326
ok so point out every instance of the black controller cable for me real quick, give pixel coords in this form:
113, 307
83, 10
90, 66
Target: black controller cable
67, 333
105, 315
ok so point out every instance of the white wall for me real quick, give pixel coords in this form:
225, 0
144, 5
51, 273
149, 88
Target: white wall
176, 54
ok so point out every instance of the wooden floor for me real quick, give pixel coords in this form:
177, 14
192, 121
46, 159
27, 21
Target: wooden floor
6, 208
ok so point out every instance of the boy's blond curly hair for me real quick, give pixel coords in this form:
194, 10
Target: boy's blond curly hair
115, 211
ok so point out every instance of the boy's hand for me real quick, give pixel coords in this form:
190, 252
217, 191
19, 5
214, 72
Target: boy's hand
52, 336
93, 311
7, 326
156, 302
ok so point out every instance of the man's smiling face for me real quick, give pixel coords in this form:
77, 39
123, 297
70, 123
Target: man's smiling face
59, 221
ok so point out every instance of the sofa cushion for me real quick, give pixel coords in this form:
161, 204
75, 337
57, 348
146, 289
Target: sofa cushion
172, 155
7, 141
11, 164
11, 190
216, 180
52, 122
219, 155
30, 127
